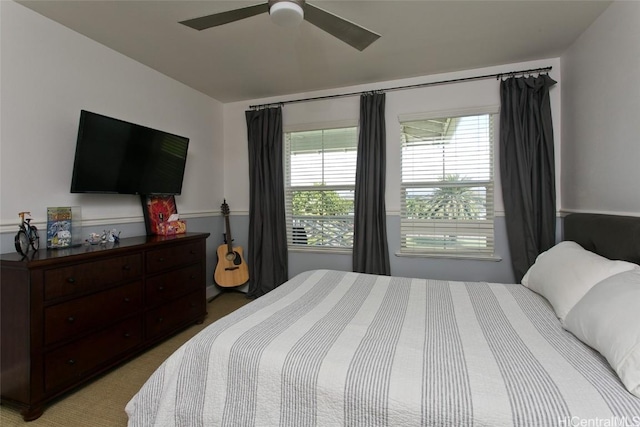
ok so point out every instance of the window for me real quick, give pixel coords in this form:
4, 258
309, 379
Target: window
320, 176
447, 185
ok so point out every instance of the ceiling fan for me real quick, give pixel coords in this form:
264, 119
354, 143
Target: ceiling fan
291, 13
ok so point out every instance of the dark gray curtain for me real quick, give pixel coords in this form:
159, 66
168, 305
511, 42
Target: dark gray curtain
527, 168
267, 255
370, 250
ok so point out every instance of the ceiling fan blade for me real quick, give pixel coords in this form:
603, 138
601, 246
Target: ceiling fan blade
221, 18
346, 31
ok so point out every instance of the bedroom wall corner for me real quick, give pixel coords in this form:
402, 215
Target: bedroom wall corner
600, 105
48, 73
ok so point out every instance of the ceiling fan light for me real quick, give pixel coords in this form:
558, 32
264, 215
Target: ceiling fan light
286, 14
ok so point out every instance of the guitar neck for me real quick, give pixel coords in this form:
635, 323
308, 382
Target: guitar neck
228, 234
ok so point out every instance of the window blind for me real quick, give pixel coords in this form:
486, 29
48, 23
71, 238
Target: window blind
447, 185
319, 189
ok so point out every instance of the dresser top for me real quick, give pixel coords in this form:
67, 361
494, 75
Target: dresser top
47, 256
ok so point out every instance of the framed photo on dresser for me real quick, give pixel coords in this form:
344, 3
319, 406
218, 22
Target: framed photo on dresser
157, 210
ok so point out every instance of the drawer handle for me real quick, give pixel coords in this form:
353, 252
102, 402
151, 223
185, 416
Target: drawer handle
160, 259
126, 267
161, 288
127, 335
192, 277
160, 319
71, 362
71, 280
127, 300
192, 252
71, 319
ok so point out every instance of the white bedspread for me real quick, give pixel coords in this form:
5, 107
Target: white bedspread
334, 348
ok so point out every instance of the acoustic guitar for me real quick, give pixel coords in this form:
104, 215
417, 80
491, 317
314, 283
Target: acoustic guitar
231, 269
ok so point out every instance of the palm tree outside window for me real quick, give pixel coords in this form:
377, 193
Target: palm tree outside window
447, 185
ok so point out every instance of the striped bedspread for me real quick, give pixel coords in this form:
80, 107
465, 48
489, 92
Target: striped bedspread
333, 348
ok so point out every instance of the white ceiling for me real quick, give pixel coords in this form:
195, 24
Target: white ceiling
255, 58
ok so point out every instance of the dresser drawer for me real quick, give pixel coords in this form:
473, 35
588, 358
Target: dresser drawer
170, 285
177, 313
59, 282
174, 256
71, 362
71, 318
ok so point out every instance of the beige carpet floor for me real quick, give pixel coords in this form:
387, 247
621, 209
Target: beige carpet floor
101, 402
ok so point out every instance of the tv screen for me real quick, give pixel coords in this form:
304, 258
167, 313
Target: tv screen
114, 156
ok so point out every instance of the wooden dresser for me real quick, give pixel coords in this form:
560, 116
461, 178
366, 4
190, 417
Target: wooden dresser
70, 314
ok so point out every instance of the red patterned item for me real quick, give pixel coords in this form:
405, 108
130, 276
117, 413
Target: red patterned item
159, 209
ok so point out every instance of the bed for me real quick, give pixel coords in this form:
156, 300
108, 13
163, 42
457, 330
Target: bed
340, 348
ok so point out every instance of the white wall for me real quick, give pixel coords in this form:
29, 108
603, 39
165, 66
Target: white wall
48, 74
447, 97
601, 115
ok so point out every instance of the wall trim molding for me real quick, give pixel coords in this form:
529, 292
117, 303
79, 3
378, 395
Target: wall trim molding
7, 226
565, 212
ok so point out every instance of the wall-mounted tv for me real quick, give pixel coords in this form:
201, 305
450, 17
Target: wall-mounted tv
114, 156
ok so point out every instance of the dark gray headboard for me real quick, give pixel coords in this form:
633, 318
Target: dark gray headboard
613, 237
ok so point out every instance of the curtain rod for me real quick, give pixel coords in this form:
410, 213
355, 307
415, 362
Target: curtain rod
415, 86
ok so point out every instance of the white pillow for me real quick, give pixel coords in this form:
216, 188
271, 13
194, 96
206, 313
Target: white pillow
608, 319
566, 272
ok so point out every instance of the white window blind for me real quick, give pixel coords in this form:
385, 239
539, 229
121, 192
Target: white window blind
319, 187
447, 186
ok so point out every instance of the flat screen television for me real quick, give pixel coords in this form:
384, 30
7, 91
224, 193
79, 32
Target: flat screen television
114, 156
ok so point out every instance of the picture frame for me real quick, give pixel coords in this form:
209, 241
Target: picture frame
156, 210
